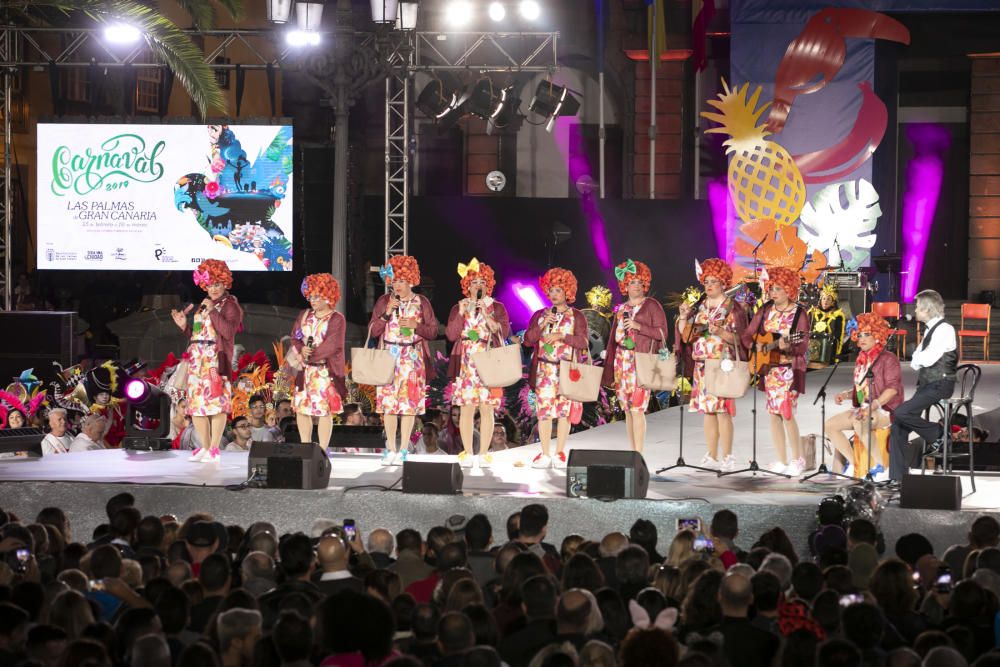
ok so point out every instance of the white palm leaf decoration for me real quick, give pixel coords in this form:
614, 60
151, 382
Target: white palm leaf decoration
826, 223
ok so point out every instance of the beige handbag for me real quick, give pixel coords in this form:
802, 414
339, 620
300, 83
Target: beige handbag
293, 359
373, 366
809, 450
654, 372
177, 382
727, 378
499, 366
579, 382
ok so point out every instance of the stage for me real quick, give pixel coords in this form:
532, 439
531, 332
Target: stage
165, 482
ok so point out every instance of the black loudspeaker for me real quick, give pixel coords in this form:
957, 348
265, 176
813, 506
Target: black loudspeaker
34, 340
601, 473
931, 492
432, 477
283, 465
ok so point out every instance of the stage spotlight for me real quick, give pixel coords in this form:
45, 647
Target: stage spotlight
507, 114
122, 33
458, 13
434, 101
299, 38
497, 11
147, 417
553, 101
484, 100
529, 10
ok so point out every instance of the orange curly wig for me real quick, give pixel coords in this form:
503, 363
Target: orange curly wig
323, 285
218, 273
642, 273
875, 325
405, 267
559, 278
716, 268
788, 279
486, 274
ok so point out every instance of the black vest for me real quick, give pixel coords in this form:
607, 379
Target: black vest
942, 369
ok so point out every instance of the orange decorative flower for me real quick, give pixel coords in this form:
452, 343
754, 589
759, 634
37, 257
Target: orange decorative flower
560, 278
781, 247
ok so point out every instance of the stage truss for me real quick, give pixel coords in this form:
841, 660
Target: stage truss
403, 52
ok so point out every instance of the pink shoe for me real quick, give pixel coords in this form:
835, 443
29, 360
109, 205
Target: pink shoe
212, 456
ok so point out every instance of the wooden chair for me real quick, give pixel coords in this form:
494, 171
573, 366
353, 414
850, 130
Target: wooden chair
889, 310
975, 311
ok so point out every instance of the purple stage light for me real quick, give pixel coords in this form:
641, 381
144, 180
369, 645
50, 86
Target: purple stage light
135, 390
724, 222
924, 174
522, 299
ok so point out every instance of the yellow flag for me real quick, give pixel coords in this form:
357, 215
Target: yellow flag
659, 45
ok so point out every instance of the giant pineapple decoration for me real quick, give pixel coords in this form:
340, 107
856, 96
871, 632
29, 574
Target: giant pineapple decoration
764, 181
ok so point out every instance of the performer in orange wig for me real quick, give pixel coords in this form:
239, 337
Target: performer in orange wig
318, 337
555, 333
472, 323
639, 325
870, 336
785, 378
711, 328
405, 322
210, 355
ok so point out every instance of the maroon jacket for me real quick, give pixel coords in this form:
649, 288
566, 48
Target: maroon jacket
886, 375
330, 351
427, 329
798, 353
453, 331
650, 336
533, 338
227, 319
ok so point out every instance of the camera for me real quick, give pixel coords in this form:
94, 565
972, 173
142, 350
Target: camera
942, 583
349, 530
689, 524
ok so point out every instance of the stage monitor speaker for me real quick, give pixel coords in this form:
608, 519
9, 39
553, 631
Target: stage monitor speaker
21, 440
283, 465
931, 492
601, 473
34, 340
432, 477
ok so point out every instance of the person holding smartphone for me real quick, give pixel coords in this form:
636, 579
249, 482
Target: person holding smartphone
639, 325
405, 322
318, 337
211, 332
472, 323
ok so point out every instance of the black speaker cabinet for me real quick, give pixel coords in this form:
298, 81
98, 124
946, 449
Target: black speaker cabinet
931, 492
432, 477
601, 473
283, 465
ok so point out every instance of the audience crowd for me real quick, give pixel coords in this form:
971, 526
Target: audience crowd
158, 591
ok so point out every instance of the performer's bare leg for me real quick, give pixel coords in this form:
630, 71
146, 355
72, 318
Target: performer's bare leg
466, 426
305, 424
325, 431
725, 421
406, 430
545, 434
712, 435
391, 423
638, 430
486, 421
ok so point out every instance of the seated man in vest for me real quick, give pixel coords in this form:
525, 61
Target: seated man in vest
935, 361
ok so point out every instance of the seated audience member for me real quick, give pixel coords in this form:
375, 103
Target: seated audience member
91, 434
241, 435
58, 439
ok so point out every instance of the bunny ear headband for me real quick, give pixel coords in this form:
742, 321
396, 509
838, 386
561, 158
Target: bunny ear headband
665, 620
697, 269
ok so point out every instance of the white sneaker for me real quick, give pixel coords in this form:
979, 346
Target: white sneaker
401, 457
708, 462
486, 460
387, 456
881, 476
541, 461
728, 463
199, 455
465, 459
777, 467
560, 461
475, 461
796, 467
849, 470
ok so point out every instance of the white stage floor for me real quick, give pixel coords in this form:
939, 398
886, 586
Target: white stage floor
512, 475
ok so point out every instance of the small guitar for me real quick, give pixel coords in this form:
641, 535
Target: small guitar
768, 353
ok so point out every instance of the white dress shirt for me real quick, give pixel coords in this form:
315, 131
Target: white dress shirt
56, 445
83, 443
942, 341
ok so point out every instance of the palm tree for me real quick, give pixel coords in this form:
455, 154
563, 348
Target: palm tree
171, 44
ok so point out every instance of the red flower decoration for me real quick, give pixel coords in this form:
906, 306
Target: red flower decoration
212, 189
574, 375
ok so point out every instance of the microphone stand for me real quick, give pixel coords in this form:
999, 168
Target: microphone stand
822, 469
753, 466
680, 404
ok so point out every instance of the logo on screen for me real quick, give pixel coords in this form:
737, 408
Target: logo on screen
94, 256
121, 159
160, 253
119, 254
50, 254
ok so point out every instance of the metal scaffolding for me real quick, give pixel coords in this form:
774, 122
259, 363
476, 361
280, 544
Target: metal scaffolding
7, 53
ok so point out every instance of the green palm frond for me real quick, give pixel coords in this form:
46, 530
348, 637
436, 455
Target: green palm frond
164, 37
234, 8
202, 13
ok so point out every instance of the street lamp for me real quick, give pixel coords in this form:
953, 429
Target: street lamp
385, 11
279, 11
406, 19
309, 15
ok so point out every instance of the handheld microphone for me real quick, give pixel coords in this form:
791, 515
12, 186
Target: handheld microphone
309, 341
479, 296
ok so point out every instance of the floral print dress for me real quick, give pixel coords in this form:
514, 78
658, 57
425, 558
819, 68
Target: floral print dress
782, 399
318, 396
548, 402
630, 395
208, 391
708, 346
468, 388
407, 393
